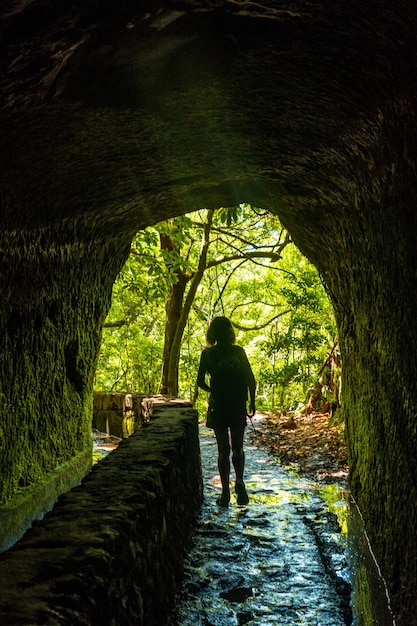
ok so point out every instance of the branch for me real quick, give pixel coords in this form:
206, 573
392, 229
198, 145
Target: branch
244, 240
117, 324
273, 256
222, 290
250, 302
118, 379
246, 328
141, 254
328, 358
223, 231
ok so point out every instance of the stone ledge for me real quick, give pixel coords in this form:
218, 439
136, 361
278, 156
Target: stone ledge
17, 515
112, 549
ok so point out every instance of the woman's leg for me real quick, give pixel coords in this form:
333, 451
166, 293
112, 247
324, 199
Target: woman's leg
223, 448
238, 459
238, 454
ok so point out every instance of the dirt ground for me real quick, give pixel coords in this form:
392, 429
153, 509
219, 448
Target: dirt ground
309, 445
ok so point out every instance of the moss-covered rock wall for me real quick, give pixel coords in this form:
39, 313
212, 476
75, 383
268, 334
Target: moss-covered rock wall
368, 262
55, 295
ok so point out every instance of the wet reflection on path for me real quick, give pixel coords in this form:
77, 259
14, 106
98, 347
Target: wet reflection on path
279, 560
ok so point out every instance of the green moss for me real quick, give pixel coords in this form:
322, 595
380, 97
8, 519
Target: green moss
334, 497
26, 504
49, 340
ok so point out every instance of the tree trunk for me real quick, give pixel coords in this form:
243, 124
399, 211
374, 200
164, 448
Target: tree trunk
173, 311
176, 344
326, 379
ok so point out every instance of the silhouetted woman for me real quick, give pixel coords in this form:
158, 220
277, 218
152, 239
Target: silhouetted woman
231, 378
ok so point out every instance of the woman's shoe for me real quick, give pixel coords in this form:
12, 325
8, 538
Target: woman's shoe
223, 500
242, 496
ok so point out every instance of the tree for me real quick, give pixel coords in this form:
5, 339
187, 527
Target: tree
178, 305
228, 247
328, 384
239, 262
299, 342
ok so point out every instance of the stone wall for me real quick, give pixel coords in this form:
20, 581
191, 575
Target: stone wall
118, 413
111, 551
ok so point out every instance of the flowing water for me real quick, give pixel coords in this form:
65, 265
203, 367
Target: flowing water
282, 559
290, 557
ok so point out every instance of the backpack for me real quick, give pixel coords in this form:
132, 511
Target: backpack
228, 377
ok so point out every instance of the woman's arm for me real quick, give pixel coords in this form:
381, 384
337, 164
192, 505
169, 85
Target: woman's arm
252, 409
251, 383
202, 370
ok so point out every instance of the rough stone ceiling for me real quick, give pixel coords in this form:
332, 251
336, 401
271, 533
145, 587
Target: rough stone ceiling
118, 116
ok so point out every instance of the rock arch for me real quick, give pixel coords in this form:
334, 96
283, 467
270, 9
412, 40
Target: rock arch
115, 118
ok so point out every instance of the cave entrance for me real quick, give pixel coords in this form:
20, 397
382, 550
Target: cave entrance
253, 273
239, 262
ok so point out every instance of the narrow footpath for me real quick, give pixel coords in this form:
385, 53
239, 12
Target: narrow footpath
280, 560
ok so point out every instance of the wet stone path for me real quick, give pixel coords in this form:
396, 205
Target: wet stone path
279, 560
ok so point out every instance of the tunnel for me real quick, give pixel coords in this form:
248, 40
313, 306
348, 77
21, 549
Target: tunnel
115, 116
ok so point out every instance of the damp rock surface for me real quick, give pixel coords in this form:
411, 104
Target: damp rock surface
111, 551
279, 560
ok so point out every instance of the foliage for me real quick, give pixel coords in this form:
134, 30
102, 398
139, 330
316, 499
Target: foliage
298, 345
253, 274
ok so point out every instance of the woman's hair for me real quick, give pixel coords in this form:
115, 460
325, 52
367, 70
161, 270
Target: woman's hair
220, 331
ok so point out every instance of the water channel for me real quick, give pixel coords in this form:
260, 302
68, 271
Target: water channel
290, 557
282, 559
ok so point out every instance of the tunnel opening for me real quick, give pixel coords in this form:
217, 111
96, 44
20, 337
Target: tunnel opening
239, 262
381, 608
